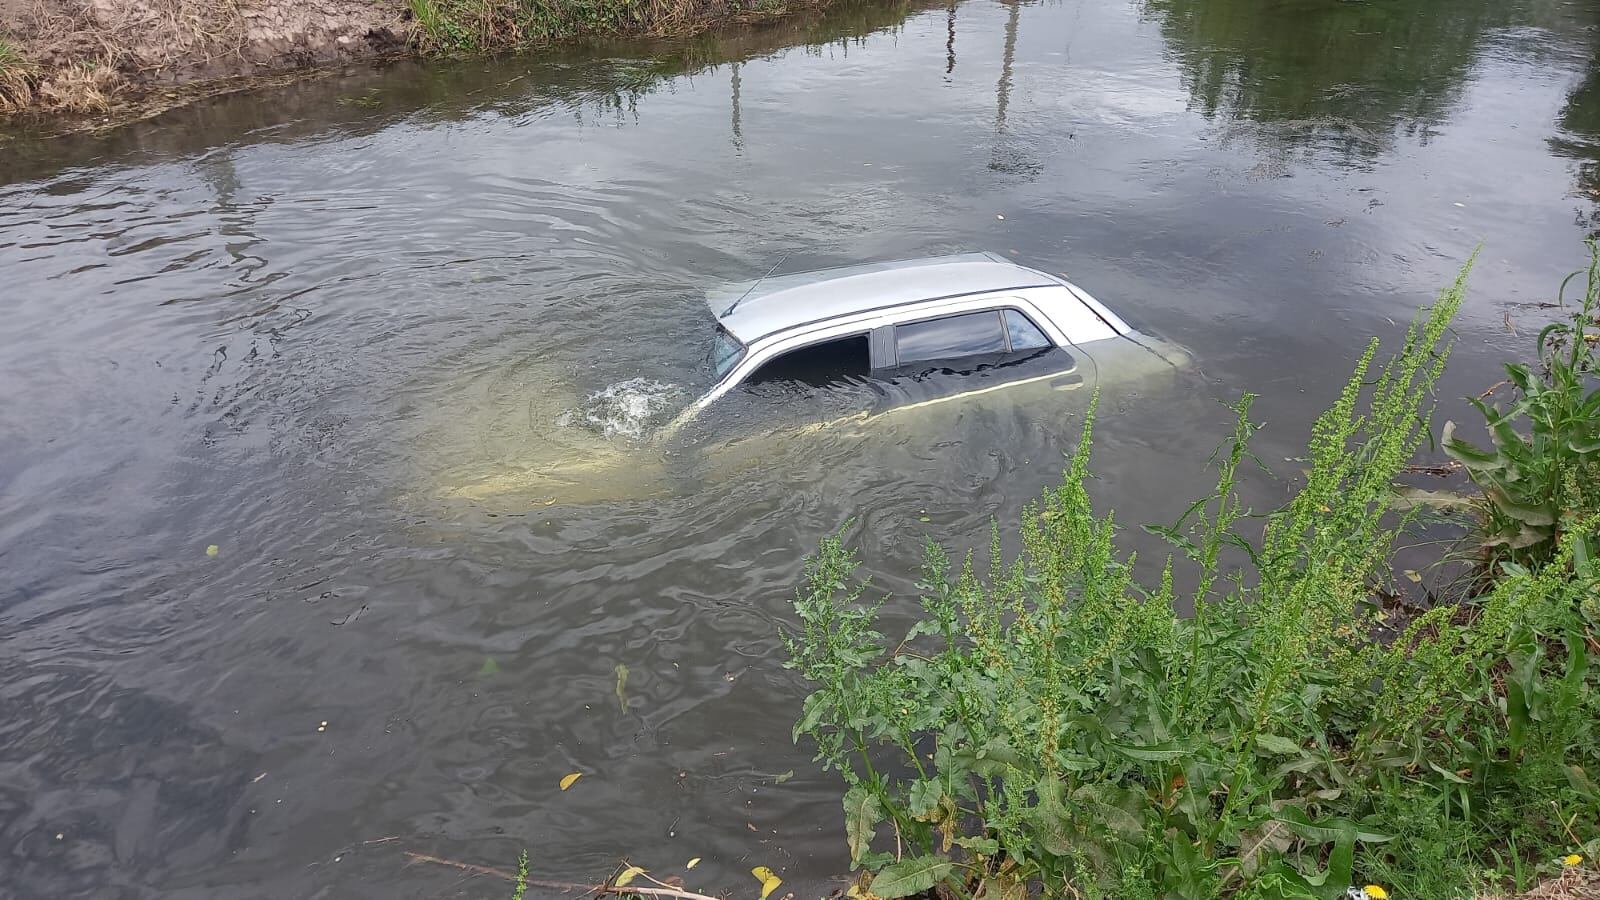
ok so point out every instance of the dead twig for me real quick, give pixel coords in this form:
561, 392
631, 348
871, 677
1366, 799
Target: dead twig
1448, 468
563, 886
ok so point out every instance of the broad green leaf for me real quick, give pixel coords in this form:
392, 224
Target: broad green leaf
1580, 782
1520, 376
1526, 513
983, 846
1277, 744
861, 812
1341, 859
924, 797
1103, 799
1407, 497
911, 876
1075, 762
1505, 438
1175, 538
994, 760
1584, 445
1327, 831
1050, 816
1151, 752
1465, 453
812, 712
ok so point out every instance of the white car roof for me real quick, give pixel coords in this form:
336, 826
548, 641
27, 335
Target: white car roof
783, 302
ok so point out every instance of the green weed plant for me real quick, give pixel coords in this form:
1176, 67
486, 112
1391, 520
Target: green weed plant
1541, 476
1049, 726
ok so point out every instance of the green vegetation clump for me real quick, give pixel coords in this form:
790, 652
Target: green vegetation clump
520, 886
1541, 477
1049, 725
466, 26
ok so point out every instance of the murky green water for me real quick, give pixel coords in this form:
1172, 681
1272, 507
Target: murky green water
293, 324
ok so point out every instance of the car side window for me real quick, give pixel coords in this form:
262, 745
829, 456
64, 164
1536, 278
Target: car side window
817, 364
1024, 334
952, 336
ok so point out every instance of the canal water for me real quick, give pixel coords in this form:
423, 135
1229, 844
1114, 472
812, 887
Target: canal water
330, 514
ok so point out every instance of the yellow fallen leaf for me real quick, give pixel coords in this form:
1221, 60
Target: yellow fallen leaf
693, 862
1412, 574
769, 880
213, 550
567, 781
627, 876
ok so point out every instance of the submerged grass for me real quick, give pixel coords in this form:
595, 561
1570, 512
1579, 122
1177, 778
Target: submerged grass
1051, 726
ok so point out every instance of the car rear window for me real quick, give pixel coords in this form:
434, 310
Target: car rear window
952, 336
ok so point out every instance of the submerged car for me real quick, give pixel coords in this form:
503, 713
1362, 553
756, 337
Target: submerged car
816, 350
990, 323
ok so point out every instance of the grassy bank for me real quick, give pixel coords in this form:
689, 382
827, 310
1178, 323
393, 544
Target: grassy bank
475, 26
1050, 726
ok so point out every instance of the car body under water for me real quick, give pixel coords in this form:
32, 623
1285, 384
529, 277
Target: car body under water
990, 323
832, 348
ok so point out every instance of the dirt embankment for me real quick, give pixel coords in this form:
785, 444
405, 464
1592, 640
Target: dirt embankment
133, 58
85, 56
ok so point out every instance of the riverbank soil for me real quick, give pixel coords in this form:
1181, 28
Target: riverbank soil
132, 58
85, 55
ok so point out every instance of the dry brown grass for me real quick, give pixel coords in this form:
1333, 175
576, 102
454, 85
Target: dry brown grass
142, 36
16, 79
1575, 883
80, 88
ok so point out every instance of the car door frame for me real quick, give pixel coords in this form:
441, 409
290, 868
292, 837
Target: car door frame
884, 346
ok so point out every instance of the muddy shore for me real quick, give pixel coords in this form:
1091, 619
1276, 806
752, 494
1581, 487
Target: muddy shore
68, 65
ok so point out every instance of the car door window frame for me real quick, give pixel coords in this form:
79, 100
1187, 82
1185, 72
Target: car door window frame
887, 349
769, 359
999, 324
1005, 321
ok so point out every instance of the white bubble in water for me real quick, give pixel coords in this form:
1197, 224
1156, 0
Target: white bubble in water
628, 408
